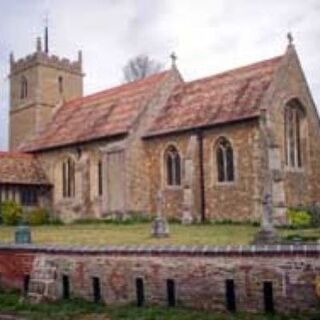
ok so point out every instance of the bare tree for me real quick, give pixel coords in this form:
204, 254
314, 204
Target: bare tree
140, 67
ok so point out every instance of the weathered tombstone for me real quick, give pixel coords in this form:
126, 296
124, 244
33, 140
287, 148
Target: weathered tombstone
23, 234
186, 212
160, 227
267, 233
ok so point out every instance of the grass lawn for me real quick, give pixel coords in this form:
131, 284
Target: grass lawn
11, 303
139, 233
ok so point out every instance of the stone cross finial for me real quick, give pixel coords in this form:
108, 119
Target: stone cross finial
173, 59
290, 38
80, 56
11, 58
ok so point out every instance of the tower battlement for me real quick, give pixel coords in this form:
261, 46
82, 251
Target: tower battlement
41, 57
38, 83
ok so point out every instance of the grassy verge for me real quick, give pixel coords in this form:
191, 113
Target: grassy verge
82, 310
139, 233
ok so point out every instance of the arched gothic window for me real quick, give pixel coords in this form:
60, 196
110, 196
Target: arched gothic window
293, 115
173, 166
225, 161
23, 87
68, 178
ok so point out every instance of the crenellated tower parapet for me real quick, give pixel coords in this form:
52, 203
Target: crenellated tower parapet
38, 83
42, 58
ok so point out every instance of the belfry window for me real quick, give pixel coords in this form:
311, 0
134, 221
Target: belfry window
225, 161
68, 178
173, 166
23, 87
293, 115
60, 84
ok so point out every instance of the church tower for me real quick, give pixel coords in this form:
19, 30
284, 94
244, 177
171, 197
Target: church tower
38, 84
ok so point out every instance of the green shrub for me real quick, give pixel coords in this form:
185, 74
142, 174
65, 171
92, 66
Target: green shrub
37, 216
54, 221
11, 212
300, 238
299, 218
314, 211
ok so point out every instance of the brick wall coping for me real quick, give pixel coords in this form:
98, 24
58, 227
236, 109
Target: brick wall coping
171, 250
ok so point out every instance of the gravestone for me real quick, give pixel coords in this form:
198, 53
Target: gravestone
267, 233
160, 227
23, 234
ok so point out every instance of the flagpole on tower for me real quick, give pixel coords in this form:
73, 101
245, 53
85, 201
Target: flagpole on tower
46, 35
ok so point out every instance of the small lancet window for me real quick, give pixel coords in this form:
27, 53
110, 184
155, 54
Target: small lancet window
100, 181
23, 87
173, 166
225, 161
293, 116
68, 178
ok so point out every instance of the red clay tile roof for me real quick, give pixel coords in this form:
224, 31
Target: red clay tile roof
103, 114
225, 97
20, 168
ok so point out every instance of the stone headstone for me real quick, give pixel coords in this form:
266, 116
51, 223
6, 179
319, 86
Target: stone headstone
187, 217
23, 234
267, 233
160, 227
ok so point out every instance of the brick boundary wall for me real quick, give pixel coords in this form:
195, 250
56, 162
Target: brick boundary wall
249, 278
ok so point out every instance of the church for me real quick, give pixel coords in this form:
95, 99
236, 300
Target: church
213, 148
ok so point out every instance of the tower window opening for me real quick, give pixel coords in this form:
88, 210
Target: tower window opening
60, 84
23, 87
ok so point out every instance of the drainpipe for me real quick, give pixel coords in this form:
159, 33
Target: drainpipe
201, 177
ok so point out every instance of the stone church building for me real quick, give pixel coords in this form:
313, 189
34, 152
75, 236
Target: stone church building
213, 147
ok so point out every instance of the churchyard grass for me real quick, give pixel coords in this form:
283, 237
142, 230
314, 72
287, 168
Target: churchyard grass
11, 303
139, 233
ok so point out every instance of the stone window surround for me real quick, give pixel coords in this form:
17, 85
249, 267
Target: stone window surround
295, 109
163, 173
72, 195
100, 174
214, 174
23, 87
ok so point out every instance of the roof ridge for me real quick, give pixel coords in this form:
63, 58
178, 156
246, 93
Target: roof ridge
231, 71
111, 90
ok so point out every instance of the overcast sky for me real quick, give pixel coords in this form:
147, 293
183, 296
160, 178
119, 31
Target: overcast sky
208, 36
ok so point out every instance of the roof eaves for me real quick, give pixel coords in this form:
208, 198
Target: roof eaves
25, 183
75, 143
197, 127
